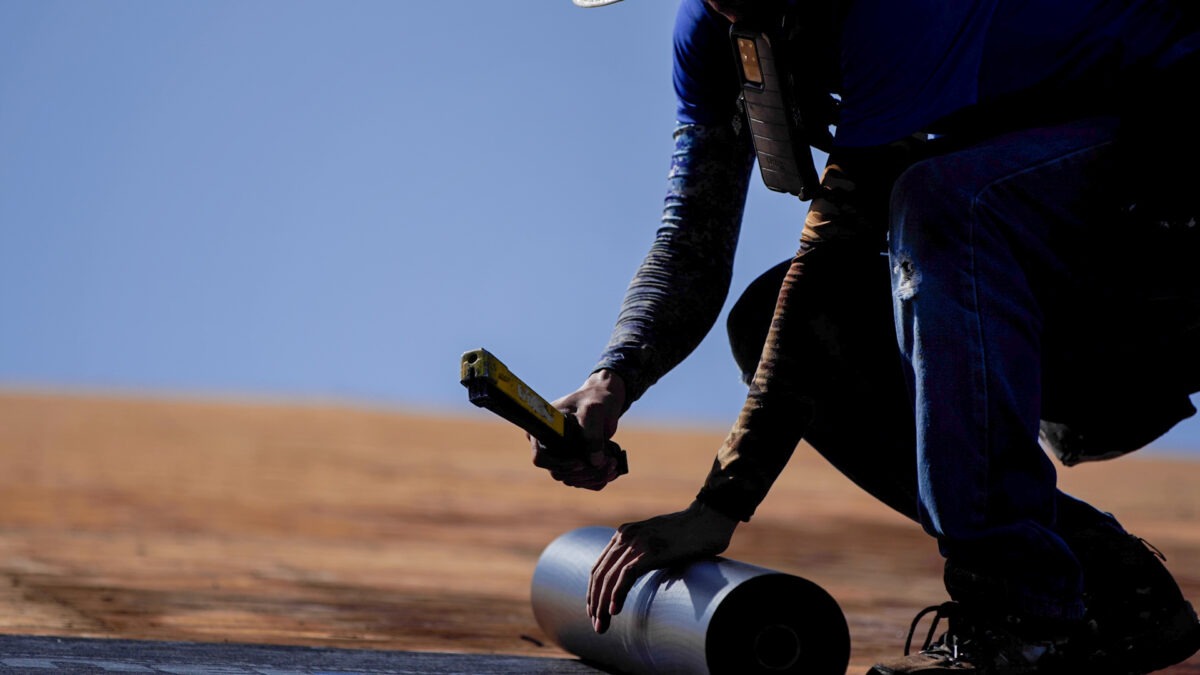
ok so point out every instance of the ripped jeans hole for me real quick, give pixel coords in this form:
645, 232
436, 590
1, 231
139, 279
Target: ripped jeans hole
905, 279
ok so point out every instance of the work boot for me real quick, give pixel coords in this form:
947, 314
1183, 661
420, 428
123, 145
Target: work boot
983, 644
1140, 618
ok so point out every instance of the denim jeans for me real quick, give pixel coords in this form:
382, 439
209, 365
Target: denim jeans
1014, 292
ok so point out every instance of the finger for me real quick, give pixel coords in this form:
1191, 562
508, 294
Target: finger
565, 475
614, 469
597, 478
589, 481
627, 575
601, 572
592, 482
586, 476
596, 456
577, 470
599, 569
543, 458
594, 486
628, 547
581, 478
599, 470
604, 610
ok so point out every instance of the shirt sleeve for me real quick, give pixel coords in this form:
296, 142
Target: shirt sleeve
677, 293
835, 268
705, 78
780, 404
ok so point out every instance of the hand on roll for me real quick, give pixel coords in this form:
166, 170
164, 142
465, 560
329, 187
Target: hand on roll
662, 541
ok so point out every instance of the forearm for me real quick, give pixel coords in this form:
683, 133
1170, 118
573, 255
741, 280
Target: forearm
677, 293
795, 367
772, 420
830, 276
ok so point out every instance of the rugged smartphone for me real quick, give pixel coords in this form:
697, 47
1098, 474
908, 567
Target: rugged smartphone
776, 125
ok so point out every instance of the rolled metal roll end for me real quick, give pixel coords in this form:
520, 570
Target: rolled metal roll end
712, 616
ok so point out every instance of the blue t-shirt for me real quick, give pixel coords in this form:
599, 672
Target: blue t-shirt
906, 65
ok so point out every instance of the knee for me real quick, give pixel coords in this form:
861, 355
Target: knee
930, 228
927, 200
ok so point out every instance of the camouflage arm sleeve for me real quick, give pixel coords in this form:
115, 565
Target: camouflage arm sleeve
678, 291
773, 419
843, 236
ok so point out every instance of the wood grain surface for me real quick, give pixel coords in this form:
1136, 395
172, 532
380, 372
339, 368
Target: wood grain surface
328, 526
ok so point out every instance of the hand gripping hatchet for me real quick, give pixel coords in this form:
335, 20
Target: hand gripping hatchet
490, 384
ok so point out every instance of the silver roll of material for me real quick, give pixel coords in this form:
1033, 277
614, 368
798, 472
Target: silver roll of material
713, 616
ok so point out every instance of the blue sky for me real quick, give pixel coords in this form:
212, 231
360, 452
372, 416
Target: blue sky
318, 200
